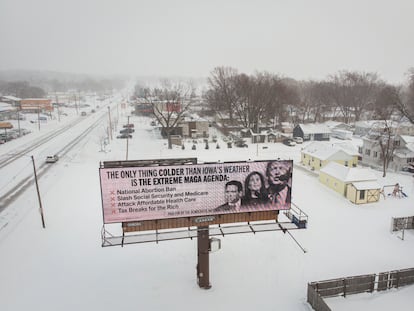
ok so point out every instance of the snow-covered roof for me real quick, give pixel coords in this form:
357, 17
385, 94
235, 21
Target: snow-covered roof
325, 150
193, 118
314, 128
366, 185
6, 107
348, 174
405, 153
408, 139
9, 97
336, 130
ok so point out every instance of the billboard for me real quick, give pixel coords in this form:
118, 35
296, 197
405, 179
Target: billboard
175, 191
36, 104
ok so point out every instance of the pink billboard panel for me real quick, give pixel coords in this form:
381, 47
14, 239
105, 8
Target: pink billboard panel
160, 192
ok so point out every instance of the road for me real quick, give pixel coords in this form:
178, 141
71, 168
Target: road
16, 165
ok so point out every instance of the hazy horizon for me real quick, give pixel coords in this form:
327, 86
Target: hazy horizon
298, 39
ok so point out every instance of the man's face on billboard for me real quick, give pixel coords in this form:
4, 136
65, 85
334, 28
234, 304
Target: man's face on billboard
232, 194
278, 173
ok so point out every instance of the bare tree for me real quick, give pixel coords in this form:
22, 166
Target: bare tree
353, 91
169, 103
383, 133
261, 97
406, 105
387, 101
221, 95
315, 100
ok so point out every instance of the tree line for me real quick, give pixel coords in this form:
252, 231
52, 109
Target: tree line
39, 89
269, 98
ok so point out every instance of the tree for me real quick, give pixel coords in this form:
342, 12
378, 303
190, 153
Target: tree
23, 89
353, 91
315, 100
169, 102
383, 134
221, 96
387, 101
406, 106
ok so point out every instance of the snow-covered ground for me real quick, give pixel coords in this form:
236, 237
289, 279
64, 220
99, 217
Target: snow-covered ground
64, 267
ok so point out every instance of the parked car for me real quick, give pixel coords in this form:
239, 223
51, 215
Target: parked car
127, 130
83, 113
408, 168
298, 140
289, 142
124, 135
153, 123
52, 159
129, 125
25, 131
241, 144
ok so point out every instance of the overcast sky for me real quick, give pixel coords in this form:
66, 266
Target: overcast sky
301, 39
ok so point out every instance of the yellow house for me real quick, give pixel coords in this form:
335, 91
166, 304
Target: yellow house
318, 154
359, 185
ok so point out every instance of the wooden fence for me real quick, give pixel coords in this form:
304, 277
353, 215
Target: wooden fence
401, 223
355, 285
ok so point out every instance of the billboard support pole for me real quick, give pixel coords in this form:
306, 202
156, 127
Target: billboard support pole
203, 252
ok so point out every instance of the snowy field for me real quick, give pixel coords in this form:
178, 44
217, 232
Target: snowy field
64, 267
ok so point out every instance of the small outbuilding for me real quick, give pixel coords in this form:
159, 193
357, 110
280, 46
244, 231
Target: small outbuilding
363, 192
359, 185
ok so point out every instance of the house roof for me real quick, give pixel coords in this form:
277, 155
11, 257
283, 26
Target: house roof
348, 174
6, 107
9, 97
407, 139
314, 128
326, 150
366, 185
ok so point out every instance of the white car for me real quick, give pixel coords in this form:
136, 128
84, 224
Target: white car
298, 140
52, 159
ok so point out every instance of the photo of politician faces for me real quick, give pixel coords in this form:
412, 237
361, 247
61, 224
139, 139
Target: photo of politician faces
269, 189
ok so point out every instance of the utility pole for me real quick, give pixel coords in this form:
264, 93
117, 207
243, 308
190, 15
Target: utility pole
127, 140
110, 123
38, 194
18, 122
76, 104
57, 103
38, 116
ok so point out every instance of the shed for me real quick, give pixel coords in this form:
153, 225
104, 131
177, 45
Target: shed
363, 192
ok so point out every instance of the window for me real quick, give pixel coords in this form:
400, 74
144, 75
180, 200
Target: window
362, 194
367, 152
375, 154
